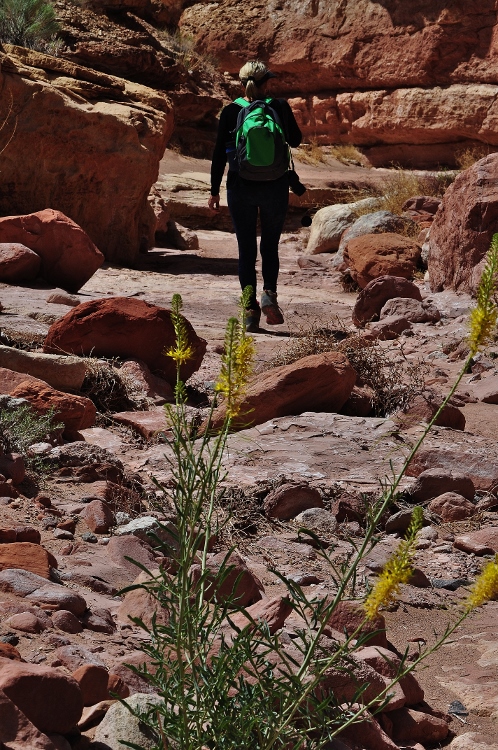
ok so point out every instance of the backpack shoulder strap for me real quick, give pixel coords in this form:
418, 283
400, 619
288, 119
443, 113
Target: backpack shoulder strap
241, 102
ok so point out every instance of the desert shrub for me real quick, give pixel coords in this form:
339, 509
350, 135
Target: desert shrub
311, 153
28, 23
21, 427
228, 685
402, 184
468, 156
394, 382
184, 48
110, 389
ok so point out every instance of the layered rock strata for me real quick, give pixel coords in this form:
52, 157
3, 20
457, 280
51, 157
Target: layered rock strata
386, 75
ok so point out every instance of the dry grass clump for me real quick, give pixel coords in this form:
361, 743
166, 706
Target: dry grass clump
110, 390
402, 185
310, 153
349, 154
184, 48
394, 382
468, 156
26, 340
312, 337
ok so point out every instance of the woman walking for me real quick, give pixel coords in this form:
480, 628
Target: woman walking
255, 189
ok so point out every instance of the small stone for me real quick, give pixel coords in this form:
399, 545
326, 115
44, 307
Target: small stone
66, 621
288, 500
26, 622
87, 536
451, 506
63, 534
452, 584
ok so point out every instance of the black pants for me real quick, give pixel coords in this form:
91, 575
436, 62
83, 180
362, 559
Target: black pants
244, 200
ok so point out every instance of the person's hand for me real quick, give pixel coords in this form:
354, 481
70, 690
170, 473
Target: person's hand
214, 202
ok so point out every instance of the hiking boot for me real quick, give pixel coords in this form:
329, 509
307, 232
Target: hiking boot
252, 318
270, 307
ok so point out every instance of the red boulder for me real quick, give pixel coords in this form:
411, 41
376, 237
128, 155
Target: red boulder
127, 328
463, 228
374, 296
50, 699
68, 256
76, 412
374, 255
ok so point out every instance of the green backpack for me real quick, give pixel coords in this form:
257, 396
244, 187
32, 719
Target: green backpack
262, 152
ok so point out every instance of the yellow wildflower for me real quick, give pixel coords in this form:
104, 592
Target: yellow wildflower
483, 317
485, 586
182, 351
397, 570
236, 366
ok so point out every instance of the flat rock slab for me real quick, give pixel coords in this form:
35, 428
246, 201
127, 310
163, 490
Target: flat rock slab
102, 437
146, 423
482, 542
472, 455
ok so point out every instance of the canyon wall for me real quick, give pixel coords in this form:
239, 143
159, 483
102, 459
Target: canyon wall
407, 81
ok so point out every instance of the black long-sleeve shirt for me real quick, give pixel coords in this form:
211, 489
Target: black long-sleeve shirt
226, 128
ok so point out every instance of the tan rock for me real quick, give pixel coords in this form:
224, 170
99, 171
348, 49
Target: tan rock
320, 382
482, 542
349, 615
92, 680
68, 256
416, 726
288, 500
140, 604
18, 263
372, 255
240, 585
423, 408
17, 732
374, 296
113, 133
26, 622
433, 482
75, 412
66, 621
451, 506
148, 424
26, 556
9, 652
59, 371
388, 328
98, 517
273, 612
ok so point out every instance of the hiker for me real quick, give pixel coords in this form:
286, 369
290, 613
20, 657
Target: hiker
253, 183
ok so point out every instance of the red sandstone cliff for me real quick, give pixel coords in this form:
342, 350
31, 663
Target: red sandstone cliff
407, 80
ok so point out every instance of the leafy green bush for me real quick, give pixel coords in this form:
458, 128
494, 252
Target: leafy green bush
231, 686
28, 23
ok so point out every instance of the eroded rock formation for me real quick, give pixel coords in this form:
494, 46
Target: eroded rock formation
84, 143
